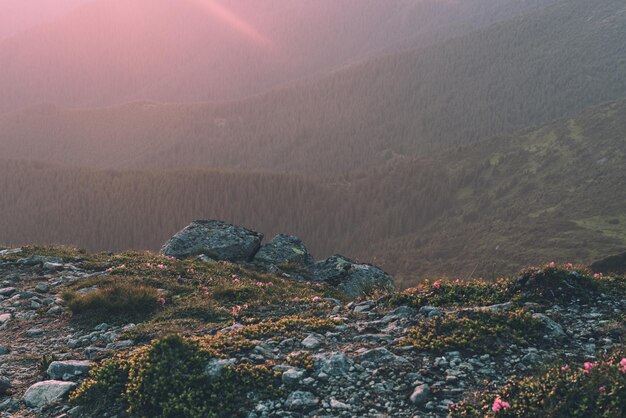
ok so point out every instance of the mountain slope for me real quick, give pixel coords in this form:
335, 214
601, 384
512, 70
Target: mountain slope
111, 51
554, 192
521, 73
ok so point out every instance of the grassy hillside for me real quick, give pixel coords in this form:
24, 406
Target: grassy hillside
555, 192
512, 75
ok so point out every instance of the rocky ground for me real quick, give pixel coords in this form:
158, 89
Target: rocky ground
363, 367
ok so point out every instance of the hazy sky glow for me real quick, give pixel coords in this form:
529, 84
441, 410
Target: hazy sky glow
235, 22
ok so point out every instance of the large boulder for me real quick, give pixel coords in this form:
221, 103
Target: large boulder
354, 278
284, 249
47, 392
216, 239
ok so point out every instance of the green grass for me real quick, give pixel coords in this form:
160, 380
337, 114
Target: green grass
114, 303
475, 331
607, 225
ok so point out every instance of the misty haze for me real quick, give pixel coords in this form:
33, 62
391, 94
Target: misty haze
313, 208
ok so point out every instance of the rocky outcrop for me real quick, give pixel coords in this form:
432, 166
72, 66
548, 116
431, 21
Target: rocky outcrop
218, 240
215, 239
353, 278
284, 249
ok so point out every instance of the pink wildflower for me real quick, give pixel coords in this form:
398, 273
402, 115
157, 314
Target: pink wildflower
162, 266
569, 266
588, 366
437, 284
622, 365
565, 368
161, 301
149, 265
552, 264
499, 404
237, 309
316, 299
598, 276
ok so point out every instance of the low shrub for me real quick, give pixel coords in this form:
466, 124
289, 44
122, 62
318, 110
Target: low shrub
168, 379
589, 390
555, 283
114, 302
457, 293
301, 360
476, 331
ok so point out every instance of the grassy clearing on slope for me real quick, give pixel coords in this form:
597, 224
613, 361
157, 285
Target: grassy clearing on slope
187, 294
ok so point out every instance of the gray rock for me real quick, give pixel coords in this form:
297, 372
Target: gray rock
399, 313
47, 392
94, 352
301, 400
4, 385
34, 332
56, 309
335, 404
372, 338
284, 249
69, 369
216, 239
353, 278
420, 395
11, 251
311, 342
215, 368
380, 356
292, 376
102, 327
42, 287
5, 317
36, 260
9, 405
7, 291
364, 306
333, 363
554, 329
53, 266
531, 359
4, 350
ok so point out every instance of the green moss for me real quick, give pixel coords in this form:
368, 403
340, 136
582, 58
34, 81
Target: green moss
475, 331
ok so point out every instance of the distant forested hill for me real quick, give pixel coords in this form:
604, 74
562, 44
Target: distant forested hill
112, 51
555, 192
511, 75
